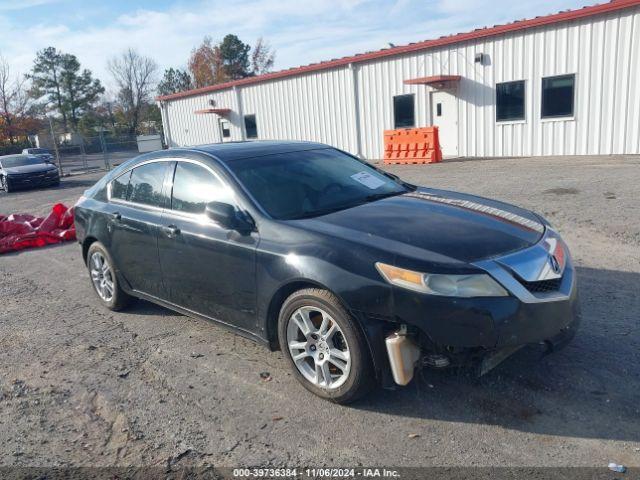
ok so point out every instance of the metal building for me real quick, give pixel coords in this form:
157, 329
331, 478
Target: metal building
562, 84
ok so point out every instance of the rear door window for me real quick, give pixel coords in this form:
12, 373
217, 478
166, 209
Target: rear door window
119, 186
194, 186
145, 185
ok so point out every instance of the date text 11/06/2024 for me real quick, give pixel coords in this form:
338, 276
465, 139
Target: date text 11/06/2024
315, 473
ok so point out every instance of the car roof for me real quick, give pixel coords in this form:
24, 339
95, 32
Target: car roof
231, 151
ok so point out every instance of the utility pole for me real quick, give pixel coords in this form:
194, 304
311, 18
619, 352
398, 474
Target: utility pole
55, 146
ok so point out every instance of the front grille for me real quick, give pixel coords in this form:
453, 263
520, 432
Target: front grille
542, 286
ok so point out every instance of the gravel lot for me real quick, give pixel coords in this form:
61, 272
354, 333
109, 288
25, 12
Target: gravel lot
80, 385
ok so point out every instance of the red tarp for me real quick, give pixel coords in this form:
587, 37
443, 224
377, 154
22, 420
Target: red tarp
20, 231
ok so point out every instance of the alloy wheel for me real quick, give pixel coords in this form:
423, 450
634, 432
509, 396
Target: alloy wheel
102, 276
318, 347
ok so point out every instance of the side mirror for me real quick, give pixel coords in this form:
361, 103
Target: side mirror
221, 213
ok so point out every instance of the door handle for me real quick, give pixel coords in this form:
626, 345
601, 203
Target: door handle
116, 216
171, 230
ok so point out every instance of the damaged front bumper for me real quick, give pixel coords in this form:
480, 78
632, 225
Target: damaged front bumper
482, 332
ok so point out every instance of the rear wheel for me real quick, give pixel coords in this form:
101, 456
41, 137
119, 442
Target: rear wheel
325, 346
104, 279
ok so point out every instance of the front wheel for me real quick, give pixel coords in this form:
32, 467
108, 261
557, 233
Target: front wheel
326, 348
4, 183
103, 278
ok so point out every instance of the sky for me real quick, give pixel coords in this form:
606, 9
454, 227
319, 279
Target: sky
300, 31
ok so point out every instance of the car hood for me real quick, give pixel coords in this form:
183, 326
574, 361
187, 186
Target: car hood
436, 225
29, 169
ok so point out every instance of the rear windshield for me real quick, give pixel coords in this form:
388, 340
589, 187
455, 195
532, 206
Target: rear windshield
312, 183
20, 161
37, 150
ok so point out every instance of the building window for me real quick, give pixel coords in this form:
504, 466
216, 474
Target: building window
510, 101
558, 96
250, 126
404, 111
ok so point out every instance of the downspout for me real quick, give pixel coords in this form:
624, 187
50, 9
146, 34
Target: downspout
356, 109
243, 132
164, 107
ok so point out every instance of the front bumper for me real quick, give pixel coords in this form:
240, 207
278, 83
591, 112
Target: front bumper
541, 305
491, 322
33, 180
488, 323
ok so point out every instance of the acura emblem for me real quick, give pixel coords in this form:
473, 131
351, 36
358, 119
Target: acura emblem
555, 265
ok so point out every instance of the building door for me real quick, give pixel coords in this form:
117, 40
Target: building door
225, 129
444, 115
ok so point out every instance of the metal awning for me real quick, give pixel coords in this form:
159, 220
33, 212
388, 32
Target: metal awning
436, 81
218, 111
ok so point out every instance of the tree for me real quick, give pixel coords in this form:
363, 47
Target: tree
135, 76
262, 58
16, 118
100, 117
45, 76
231, 59
235, 57
174, 81
80, 90
57, 76
205, 64
13, 102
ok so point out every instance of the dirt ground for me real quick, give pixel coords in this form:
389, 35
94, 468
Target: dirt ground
80, 385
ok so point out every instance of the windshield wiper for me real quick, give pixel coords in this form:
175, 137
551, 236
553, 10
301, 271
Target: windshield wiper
326, 211
319, 213
380, 196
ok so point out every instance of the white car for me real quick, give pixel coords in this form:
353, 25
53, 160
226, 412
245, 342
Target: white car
42, 153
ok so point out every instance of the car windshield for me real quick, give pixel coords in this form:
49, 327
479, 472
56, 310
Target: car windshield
37, 150
312, 183
20, 161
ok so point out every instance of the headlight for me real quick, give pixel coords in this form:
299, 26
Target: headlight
473, 285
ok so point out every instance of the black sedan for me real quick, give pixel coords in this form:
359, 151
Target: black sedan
359, 277
25, 171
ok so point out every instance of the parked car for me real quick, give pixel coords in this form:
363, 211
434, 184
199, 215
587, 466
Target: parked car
39, 152
357, 276
25, 171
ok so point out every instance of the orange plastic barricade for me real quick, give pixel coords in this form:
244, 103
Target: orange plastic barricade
412, 145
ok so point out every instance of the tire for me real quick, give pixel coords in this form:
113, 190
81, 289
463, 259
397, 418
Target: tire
5, 184
339, 350
114, 298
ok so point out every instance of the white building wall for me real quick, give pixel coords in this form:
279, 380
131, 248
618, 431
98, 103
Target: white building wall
189, 128
317, 106
603, 51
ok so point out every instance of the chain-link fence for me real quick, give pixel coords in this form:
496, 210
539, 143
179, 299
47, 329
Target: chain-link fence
101, 152
75, 153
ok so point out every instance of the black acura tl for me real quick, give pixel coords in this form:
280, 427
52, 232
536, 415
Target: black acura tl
359, 277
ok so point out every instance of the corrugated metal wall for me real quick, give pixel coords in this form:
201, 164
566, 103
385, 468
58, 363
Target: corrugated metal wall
189, 128
603, 52
317, 107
